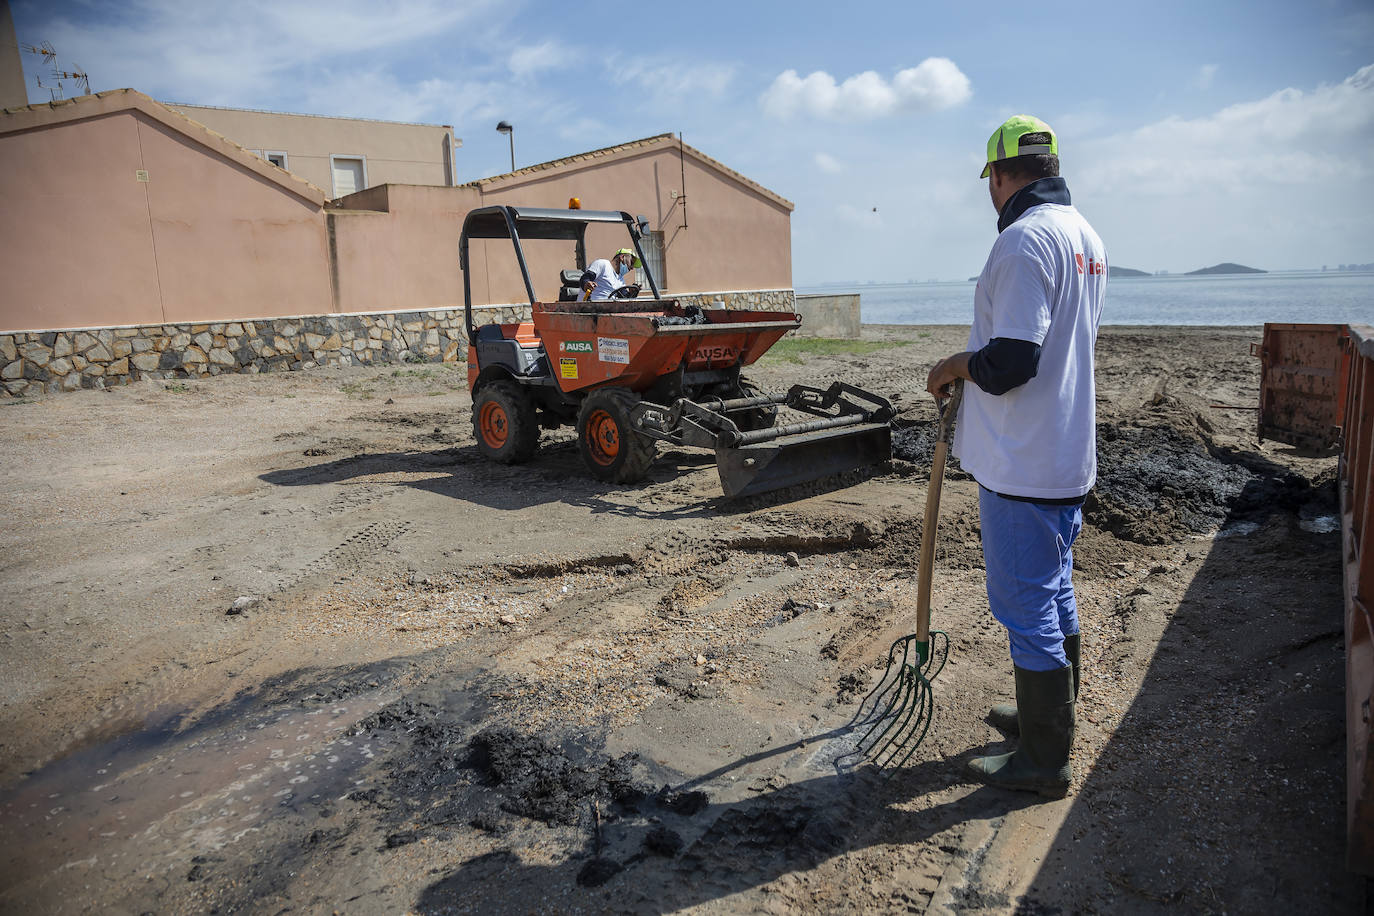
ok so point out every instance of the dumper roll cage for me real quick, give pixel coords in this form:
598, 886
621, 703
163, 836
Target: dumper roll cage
544, 224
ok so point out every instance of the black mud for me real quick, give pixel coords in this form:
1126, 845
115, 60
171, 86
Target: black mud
1161, 478
611, 815
916, 443
540, 781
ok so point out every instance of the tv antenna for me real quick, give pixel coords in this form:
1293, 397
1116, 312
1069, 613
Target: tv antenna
49, 55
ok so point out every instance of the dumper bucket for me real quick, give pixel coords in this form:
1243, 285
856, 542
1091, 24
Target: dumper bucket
747, 470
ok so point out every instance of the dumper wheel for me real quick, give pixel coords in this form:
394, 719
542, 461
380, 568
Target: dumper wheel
504, 423
611, 448
754, 418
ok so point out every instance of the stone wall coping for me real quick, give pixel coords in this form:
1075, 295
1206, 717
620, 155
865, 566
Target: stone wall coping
363, 314
727, 292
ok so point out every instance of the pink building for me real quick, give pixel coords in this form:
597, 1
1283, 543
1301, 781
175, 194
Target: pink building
130, 232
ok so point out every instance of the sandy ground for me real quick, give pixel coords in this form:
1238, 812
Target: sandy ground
457, 687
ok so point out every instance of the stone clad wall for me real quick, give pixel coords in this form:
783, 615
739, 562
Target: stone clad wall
45, 362
830, 315
771, 300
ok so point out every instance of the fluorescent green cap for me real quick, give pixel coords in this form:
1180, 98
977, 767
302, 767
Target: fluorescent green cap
631, 253
1005, 142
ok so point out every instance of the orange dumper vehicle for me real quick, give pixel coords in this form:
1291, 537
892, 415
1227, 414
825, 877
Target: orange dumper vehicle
632, 372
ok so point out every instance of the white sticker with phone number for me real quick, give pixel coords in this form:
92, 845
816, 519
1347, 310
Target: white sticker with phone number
613, 349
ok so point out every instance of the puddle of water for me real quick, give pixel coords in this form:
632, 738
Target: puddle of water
1321, 524
1233, 530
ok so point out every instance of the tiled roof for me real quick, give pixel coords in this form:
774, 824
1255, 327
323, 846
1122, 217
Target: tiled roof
123, 99
613, 151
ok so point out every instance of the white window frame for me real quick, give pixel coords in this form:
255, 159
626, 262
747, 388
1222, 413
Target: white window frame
653, 243
269, 153
354, 156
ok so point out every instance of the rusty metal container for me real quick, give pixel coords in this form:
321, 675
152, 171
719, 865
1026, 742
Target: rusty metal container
1317, 390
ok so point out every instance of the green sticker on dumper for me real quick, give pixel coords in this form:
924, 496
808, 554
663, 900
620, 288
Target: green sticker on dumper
576, 346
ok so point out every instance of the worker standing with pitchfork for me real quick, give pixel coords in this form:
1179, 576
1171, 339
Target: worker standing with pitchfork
1027, 433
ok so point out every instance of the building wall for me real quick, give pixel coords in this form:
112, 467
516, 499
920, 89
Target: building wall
397, 248
395, 152
14, 91
829, 315
735, 237
85, 243
404, 253
76, 245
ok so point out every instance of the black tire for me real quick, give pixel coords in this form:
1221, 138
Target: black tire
754, 418
504, 423
612, 450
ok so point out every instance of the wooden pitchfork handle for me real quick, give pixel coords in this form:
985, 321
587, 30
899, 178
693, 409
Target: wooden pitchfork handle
932, 519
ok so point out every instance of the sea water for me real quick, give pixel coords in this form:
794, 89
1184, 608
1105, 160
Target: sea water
1291, 297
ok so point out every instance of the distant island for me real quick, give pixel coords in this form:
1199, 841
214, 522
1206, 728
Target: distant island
1227, 268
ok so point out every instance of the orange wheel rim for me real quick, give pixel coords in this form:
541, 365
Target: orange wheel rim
494, 425
603, 437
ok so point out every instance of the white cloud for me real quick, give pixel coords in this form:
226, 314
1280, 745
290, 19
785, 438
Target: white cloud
936, 83
529, 60
375, 93
828, 163
1275, 183
1289, 138
1205, 75
243, 53
674, 79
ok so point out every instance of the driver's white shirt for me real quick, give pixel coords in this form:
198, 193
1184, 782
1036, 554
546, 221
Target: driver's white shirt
606, 280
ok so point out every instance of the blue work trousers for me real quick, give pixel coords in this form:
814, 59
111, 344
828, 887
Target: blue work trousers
1028, 552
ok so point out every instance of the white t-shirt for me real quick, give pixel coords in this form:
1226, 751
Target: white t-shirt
606, 280
1044, 281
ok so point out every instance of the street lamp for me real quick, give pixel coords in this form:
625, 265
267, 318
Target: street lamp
505, 127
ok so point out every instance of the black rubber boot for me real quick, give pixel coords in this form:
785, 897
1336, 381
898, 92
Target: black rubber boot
1003, 715
1045, 703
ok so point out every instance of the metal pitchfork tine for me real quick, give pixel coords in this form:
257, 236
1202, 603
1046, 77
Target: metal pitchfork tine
903, 703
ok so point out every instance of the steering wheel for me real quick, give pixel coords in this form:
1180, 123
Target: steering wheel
626, 292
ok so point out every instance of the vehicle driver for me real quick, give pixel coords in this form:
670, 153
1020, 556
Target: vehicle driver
603, 278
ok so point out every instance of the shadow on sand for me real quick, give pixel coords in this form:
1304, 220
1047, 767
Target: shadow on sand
745, 844
1222, 788
555, 475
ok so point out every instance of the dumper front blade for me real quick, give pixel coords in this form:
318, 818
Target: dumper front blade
747, 470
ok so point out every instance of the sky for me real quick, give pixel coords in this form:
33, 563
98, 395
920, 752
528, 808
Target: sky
1190, 133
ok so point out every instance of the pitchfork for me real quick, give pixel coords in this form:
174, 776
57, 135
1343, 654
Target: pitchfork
902, 701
